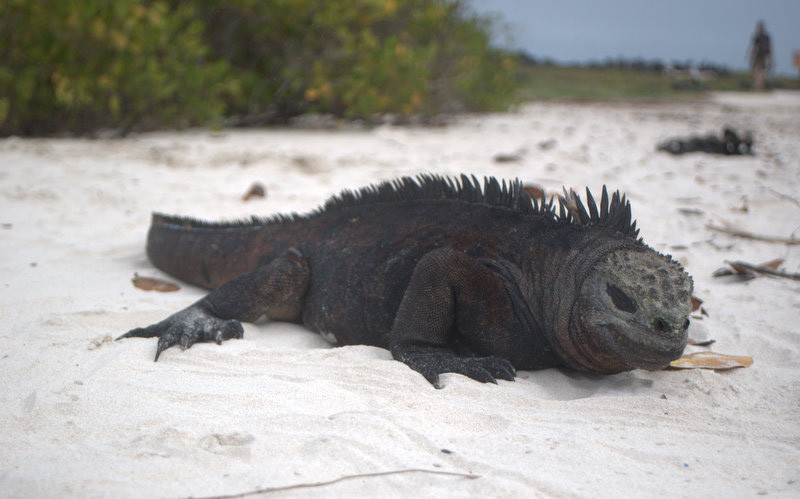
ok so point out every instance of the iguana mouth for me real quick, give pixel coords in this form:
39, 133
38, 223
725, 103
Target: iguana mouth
630, 312
607, 349
651, 355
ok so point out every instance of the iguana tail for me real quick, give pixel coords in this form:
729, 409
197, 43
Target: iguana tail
209, 254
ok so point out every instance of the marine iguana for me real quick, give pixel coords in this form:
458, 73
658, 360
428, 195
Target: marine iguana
729, 144
449, 275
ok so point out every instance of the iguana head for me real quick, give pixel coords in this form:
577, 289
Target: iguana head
631, 311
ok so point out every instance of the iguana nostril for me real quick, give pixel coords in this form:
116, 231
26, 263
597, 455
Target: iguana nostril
661, 325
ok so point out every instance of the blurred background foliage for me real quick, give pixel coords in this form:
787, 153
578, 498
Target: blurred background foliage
78, 66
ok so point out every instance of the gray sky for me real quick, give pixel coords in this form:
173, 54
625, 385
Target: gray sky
716, 31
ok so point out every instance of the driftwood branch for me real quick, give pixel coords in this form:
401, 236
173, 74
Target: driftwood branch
763, 270
755, 237
310, 485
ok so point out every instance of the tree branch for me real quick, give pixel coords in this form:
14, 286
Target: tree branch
755, 237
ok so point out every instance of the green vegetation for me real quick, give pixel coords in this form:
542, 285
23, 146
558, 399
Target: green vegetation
550, 82
581, 83
76, 66
355, 58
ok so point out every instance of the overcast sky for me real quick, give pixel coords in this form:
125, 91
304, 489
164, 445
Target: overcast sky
716, 31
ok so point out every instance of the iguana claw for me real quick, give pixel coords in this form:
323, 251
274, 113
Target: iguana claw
433, 362
186, 328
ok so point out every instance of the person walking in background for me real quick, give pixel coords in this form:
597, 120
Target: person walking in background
760, 54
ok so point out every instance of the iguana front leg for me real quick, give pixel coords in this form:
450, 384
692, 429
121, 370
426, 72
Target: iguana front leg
454, 302
276, 289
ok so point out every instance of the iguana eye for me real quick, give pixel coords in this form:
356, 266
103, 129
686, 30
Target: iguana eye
620, 299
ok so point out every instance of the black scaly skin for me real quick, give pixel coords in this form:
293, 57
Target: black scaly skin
730, 143
450, 275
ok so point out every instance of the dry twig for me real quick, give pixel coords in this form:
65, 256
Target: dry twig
756, 237
761, 269
267, 490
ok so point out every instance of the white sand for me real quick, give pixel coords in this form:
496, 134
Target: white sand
86, 417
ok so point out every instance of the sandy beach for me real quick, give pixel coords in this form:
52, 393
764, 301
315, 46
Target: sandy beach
85, 416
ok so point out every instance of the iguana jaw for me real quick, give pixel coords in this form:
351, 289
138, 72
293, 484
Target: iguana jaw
631, 312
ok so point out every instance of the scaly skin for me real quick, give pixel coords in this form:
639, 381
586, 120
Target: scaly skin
729, 144
451, 277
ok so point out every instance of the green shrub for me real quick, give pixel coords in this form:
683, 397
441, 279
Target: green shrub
80, 65
354, 58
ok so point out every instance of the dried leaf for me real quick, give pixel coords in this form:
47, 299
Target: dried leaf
154, 284
507, 158
257, 190
711, 360
722, 271
696, 302
741, 269
701, 343
533, 190
741, 272
772, 264
746, 271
